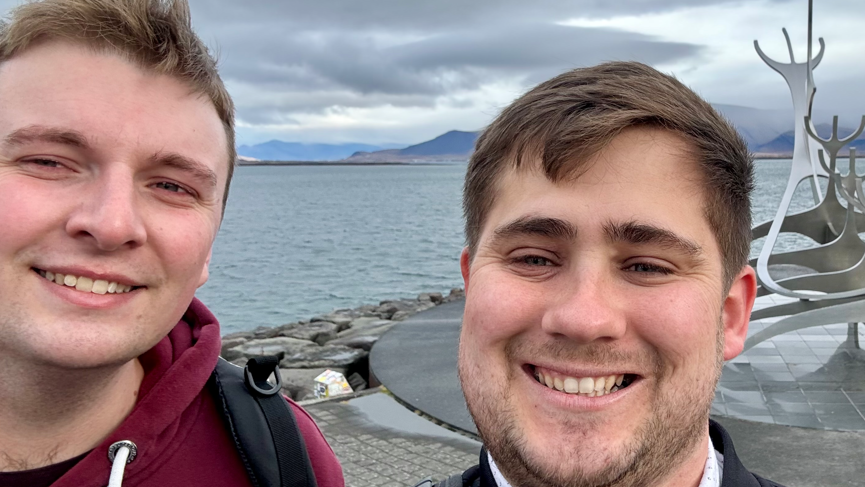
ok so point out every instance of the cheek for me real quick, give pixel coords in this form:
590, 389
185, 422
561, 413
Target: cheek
25, 207
184, 245
499, 307
680, 323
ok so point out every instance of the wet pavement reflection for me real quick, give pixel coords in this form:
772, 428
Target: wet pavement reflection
813, 377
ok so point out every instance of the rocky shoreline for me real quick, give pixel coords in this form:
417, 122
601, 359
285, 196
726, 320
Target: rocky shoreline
339, 340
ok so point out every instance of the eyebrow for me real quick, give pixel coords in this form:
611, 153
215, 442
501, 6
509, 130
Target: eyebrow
536, 226
41, 133
645, 234
194, 168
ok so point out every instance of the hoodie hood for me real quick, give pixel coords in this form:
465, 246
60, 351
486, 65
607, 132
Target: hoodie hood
176, 370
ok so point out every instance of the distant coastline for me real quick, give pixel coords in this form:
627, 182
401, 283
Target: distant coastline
789, 155
344, 163
771, 155
245, 162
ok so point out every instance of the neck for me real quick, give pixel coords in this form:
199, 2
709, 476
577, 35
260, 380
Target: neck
49, 414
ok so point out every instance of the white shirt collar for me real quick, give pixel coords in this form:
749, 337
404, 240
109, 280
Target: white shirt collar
712, 472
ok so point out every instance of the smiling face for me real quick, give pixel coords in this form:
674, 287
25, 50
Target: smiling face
596, 320
111, 183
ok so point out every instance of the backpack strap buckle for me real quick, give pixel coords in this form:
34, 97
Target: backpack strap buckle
258, 370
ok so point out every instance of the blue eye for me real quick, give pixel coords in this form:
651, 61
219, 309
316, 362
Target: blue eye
535, 260
174, 188
643, 267
45, 162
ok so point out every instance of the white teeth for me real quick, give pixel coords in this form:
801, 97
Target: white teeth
86, 284
585, 386
100, 287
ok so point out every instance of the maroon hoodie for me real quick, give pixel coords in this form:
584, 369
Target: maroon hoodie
180, 435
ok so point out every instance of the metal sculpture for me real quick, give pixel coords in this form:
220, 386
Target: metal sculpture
831, 285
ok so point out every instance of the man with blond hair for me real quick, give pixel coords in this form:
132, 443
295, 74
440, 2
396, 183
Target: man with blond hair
116, 152
606, 273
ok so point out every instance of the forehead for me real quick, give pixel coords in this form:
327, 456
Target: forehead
116, 104
644, 173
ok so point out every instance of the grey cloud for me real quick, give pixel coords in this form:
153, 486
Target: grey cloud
282, 58
273, 107
423, 15
417, 72
431, 48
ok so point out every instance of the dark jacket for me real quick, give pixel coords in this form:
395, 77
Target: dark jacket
180, 435
735, 474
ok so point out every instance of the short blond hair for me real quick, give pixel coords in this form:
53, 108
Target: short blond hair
154, 34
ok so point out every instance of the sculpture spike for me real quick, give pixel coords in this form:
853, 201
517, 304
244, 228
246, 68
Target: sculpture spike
789, 45
810, 24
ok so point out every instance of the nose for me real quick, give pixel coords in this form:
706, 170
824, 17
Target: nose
109, 215
586, 308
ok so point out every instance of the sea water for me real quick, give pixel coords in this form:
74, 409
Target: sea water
298, 241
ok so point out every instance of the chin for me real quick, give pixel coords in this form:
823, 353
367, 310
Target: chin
97, 349
569, 455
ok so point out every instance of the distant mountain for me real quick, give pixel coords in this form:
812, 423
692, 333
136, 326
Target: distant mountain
783, 143
766, 131
756, 126
277, 150
453, 142
453, 145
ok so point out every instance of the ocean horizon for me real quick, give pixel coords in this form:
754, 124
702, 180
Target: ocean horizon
298, 241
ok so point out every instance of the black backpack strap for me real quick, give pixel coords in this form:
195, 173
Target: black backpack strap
255, 411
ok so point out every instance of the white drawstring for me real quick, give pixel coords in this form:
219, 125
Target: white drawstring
119, 454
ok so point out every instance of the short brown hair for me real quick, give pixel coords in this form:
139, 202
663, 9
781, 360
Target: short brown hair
155, 34
563, 122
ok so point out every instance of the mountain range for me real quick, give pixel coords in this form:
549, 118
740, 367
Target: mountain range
765, 131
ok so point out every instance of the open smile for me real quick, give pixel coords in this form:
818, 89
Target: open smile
597, 386
86, 284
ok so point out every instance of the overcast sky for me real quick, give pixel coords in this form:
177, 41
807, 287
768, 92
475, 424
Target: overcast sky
404, 71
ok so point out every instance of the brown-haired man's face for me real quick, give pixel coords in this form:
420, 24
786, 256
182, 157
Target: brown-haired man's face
595, 320
111, 177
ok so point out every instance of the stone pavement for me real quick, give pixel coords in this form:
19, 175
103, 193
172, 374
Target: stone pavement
814, 377
380, 443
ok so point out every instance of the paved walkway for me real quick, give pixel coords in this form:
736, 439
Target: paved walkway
381, 443
416, 361
814, 377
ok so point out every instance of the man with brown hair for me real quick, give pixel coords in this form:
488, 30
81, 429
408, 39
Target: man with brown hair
608, 226
116, 151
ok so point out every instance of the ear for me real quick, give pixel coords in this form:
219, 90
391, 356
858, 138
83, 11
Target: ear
737, 311
205, 272
465, 263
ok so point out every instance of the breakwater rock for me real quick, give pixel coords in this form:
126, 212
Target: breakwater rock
339, 340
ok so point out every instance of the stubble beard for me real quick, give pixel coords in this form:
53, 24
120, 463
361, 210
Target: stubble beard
676, 423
